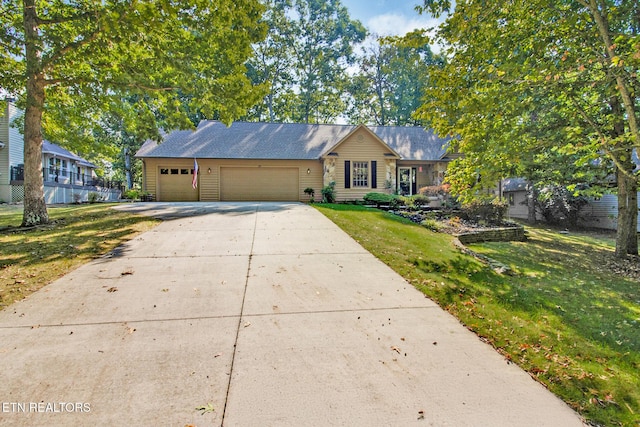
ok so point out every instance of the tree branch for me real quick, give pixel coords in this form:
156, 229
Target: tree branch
603, 139
628, 102
63, 19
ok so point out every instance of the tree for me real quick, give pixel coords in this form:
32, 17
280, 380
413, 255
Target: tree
60, 55
271, 61
579, 57
323, 50
391, 79
304, 60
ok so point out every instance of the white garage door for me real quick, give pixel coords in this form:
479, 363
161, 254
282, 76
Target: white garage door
259, 184
175, 185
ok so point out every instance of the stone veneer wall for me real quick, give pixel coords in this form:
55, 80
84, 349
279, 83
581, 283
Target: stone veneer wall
505, 234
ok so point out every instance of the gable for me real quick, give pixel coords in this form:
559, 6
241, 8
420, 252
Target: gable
361, 142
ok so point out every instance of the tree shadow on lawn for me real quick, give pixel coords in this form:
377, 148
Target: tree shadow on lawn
34, 257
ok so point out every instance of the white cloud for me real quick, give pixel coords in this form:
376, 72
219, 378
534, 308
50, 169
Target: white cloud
392, 24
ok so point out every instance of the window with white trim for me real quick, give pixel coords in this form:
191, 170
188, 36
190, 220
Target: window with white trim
360, 174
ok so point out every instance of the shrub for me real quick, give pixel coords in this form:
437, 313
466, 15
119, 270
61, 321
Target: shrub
329, 193
490, 212
435, 190
93, 197
383, 199
132, 194
77, 198
310, 192
443, 192
558, 205
432, 224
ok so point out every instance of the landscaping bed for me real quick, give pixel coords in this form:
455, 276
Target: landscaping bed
457, 223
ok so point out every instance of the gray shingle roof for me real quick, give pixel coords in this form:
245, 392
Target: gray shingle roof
56, 150
285, 141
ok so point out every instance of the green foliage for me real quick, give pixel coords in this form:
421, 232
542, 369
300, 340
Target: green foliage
72, 63
94, 197
432, 224
304, 60
538, 95
559, 206
310, 192
391, 80
329, 193
132, 194
490, 212
378, 199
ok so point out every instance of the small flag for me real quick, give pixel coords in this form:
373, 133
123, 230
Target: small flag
194, 182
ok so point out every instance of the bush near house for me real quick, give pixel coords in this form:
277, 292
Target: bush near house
379, 199
329, 193
491, 213
557, 204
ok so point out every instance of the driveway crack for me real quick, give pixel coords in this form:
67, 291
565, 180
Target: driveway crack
244, 295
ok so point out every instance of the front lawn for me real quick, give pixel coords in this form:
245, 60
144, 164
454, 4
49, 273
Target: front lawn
563, 316
32, 258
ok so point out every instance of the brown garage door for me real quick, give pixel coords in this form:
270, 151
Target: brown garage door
259, 184
175, 185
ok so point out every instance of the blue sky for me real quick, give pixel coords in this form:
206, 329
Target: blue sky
388, 17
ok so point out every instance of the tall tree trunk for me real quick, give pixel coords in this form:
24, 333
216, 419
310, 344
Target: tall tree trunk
627, 229
626, 234
127, 168
35, 208
272, 115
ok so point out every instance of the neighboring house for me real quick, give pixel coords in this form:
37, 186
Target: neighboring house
278, 161
67, 177
601, 212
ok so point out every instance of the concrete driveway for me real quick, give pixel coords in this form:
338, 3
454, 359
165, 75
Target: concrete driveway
259, 314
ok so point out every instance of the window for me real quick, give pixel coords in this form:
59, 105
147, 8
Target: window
184, 171
164, 171
360, 174
174, 171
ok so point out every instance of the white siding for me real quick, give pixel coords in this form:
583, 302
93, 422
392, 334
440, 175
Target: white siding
13, 152
599, 213
603, 212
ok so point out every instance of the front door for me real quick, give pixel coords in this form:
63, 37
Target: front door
407, 181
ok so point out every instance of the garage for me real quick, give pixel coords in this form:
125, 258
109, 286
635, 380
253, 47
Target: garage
176, 185
259, 184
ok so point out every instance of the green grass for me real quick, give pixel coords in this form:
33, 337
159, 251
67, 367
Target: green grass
33, 258
563, 316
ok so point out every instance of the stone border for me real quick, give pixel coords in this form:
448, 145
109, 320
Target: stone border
502, 234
